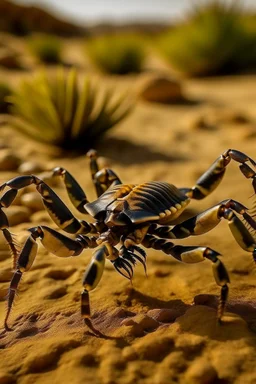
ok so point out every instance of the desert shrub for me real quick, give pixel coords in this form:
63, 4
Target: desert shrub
117, 54
5, 92
213, 40
46, 48
55, 110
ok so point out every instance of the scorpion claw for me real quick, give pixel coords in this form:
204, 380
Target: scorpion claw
120, 264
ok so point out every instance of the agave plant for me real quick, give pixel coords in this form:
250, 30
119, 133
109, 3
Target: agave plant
212, 41
55, 110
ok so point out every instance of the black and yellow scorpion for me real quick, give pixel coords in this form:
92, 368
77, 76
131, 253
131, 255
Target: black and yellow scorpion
127, 216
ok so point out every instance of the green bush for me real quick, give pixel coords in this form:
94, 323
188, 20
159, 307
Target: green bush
215, 39
56, 111
46, 48
5, 92
117, 54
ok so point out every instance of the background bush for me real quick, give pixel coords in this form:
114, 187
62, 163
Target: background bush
117, 54
57, 111
216, 39
46, 48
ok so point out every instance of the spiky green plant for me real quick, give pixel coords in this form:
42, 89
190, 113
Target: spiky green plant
117, 54
46, 48
55, 110
213, 40
5, 92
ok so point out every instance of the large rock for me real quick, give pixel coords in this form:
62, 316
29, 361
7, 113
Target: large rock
8, 160
9, 58
160, 89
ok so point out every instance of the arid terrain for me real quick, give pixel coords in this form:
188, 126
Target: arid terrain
161, 329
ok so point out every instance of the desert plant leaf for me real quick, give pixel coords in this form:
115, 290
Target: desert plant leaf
56, 111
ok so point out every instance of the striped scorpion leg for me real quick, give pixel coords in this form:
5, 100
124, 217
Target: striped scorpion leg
213, 176
75, 192
5, 201
56, 208
209, 219
193, 254
56, 243
92, 278
102, 178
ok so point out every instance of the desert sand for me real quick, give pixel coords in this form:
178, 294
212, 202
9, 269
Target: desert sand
161, 329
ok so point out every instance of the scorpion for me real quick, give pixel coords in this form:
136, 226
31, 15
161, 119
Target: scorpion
126, 217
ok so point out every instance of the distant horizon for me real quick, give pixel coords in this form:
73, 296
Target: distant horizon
118, 11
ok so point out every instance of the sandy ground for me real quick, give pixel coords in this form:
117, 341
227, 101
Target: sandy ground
161, 329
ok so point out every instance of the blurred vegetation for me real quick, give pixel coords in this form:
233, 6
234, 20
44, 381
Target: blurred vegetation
5, 92
46, 48
117, 54
217, 38
56, 111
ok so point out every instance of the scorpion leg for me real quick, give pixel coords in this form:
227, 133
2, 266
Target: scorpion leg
91, 279
56, 208
5, 201
193, 254
102, 178
56, 243
209, 181
209, 219
75, 192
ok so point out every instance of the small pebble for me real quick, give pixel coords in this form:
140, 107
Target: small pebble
204, 299
41, 217
164, 315
17, 215
160, 88
146, 322
33, 201
161, 272
30, 167
8, 161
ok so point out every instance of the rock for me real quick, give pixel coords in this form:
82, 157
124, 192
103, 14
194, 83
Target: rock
131, 329
8, 161
7, 378
17, 215
164, 315
33, 201
201, 372
206, 299
160, 89
41, 217
8, 58
161, 272
146, 322
30, 167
